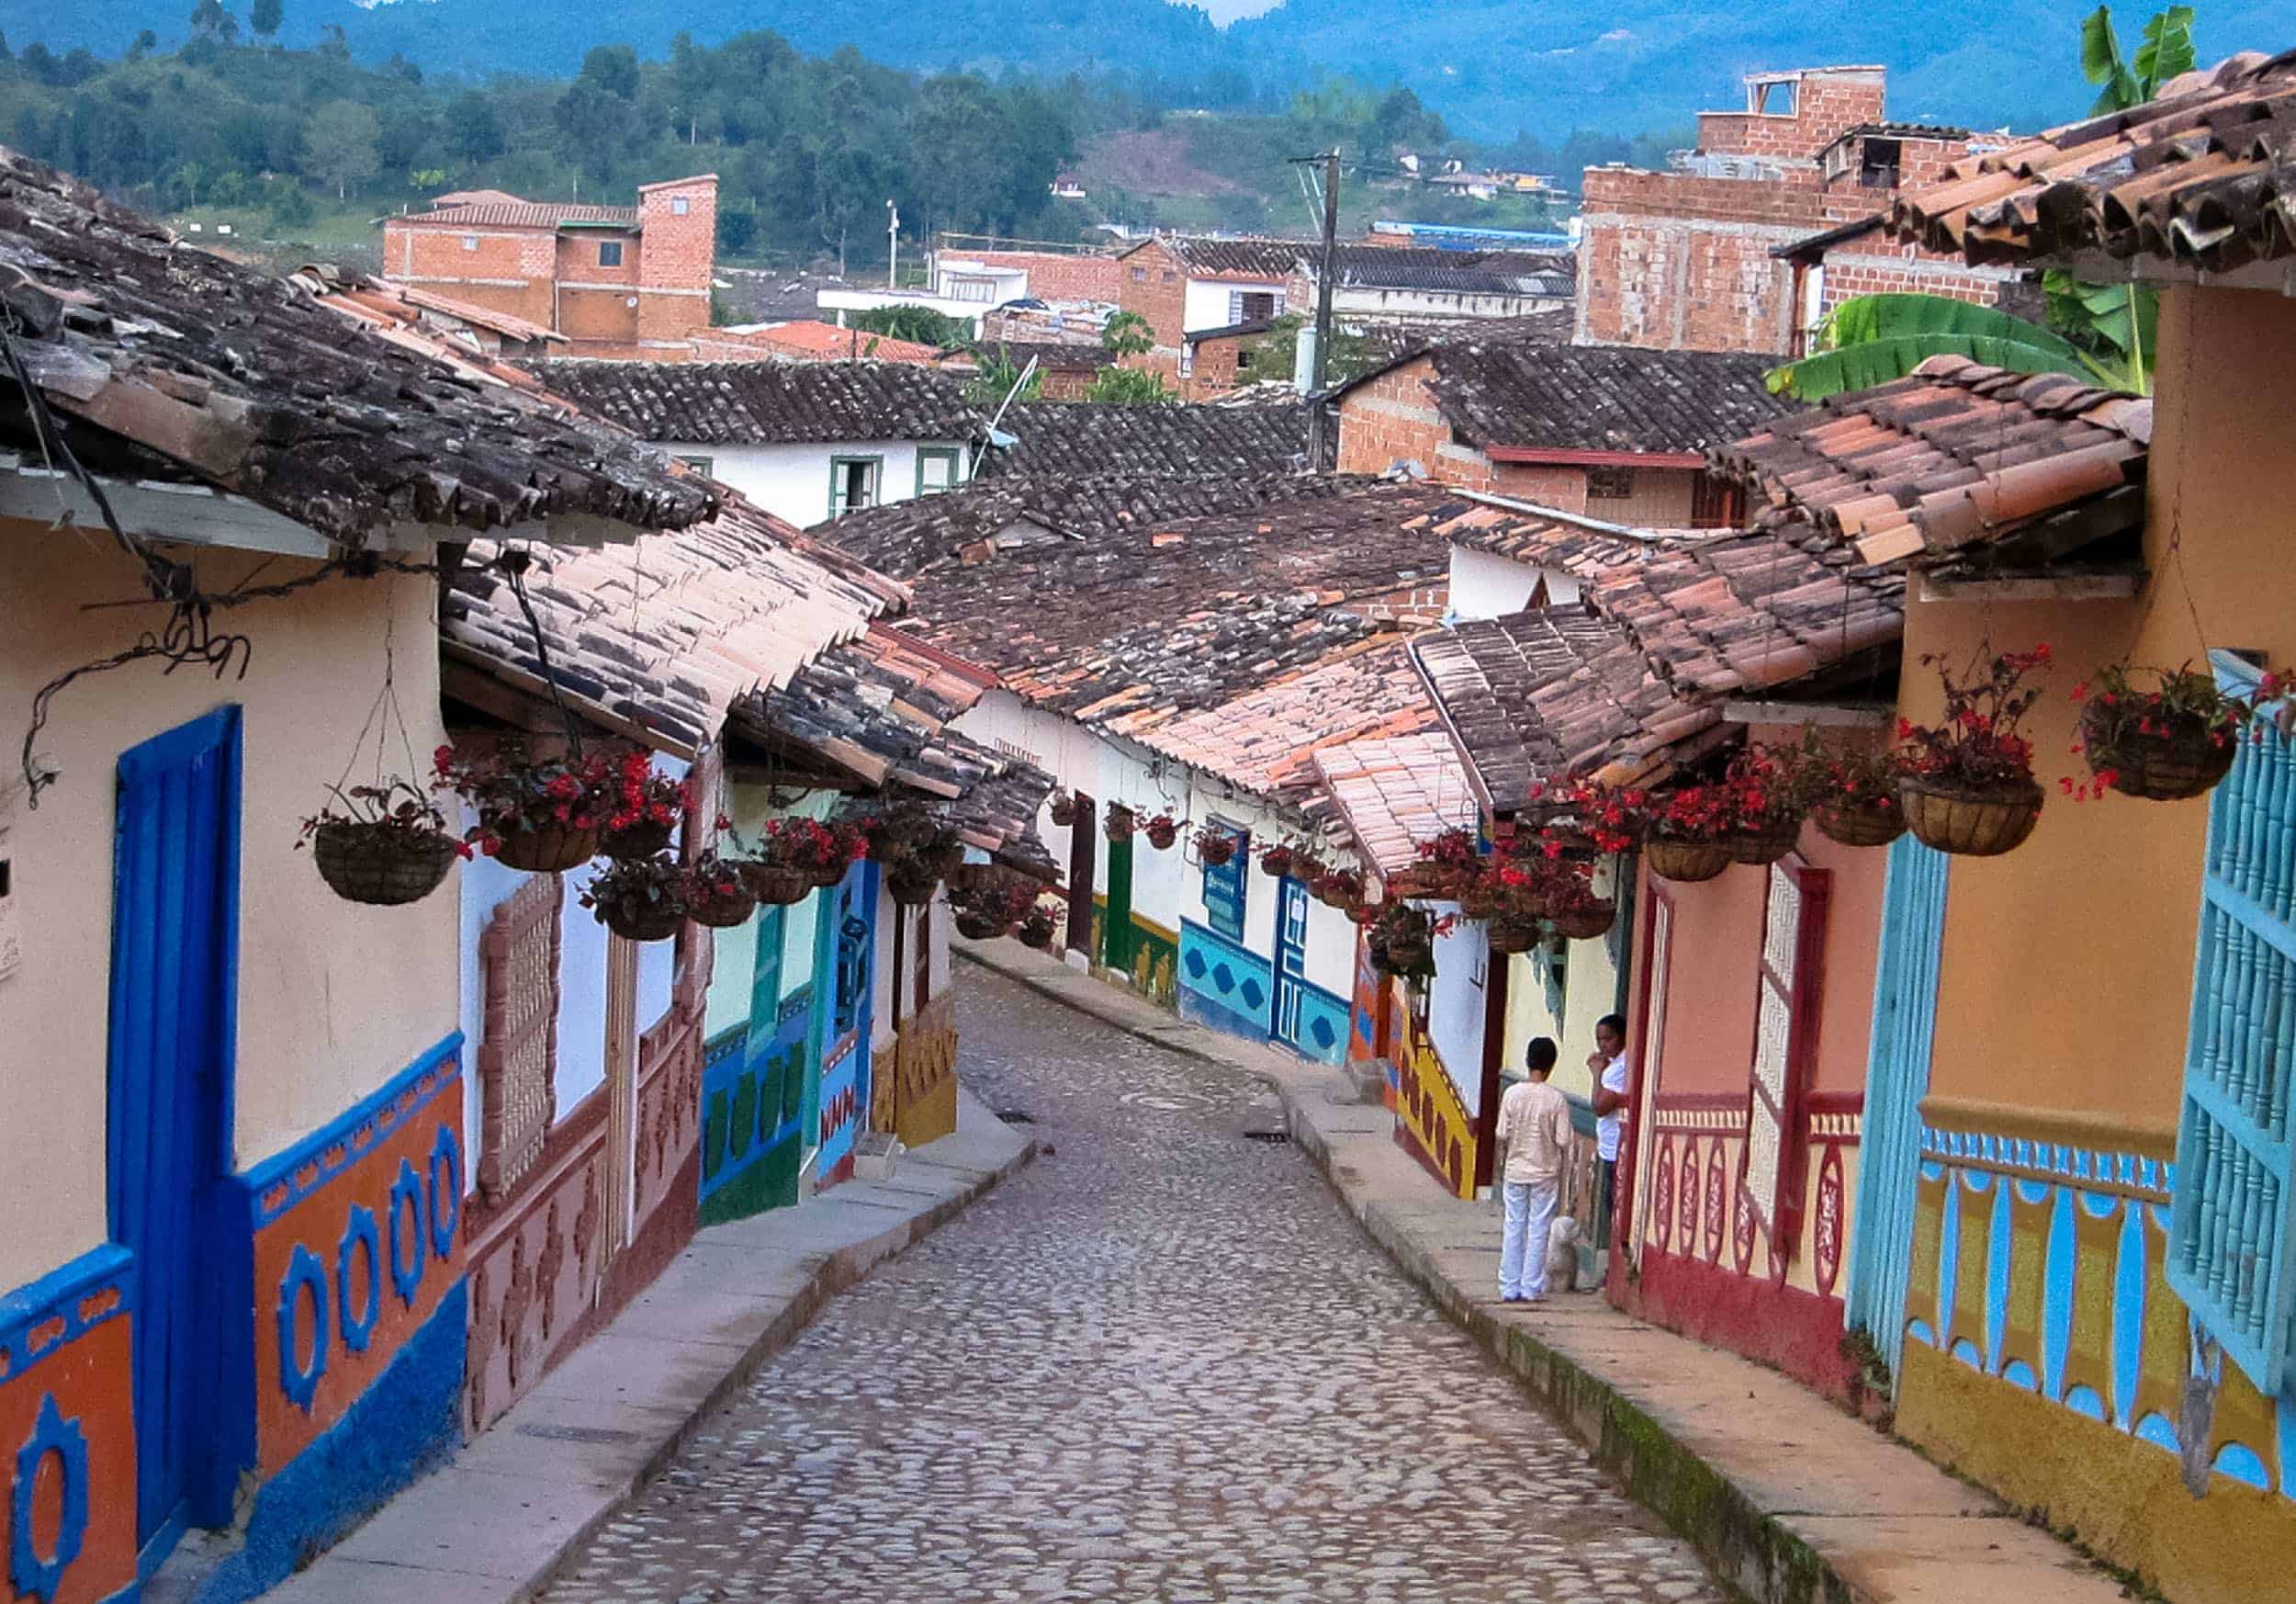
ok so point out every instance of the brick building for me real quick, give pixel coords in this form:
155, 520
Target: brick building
630, 282
1746, 242
1603, 432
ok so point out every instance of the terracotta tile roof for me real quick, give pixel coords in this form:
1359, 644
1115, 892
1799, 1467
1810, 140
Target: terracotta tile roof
879, 706
523, 214
1272, 260
1554, 539
809, 339
1955, 455
1139, 624
1390, 793
662, 639
1176, 442
1261, 740
1528, 394
908, 537
2203, 176
763, 403
402, 305
241, 380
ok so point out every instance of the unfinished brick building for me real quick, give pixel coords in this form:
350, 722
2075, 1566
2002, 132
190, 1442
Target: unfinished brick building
1746, 242
628, 281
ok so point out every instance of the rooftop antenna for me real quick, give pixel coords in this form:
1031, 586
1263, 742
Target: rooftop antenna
893, 247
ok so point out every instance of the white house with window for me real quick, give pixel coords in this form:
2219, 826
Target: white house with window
805, 440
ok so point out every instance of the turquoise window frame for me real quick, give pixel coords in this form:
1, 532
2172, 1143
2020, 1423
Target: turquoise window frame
876, 482
948, 453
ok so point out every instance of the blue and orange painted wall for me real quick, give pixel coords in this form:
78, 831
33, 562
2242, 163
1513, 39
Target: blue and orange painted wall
67, 1434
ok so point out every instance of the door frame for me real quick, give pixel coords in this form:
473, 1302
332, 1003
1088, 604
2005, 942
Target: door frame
1291, 961
1083, 870
220, 1422
1637, 1154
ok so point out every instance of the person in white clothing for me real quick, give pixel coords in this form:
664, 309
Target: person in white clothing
1614, 1078
1535, 1129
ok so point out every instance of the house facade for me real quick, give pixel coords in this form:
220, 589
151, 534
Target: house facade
803, 441
1746, 242
235, 1308
613, 281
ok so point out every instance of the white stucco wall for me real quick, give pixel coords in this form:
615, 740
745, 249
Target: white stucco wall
1205, 304
792, 481
1487, 587
332, 998
1454, 1005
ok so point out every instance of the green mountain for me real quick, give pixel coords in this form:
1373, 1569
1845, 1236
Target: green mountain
1492, 68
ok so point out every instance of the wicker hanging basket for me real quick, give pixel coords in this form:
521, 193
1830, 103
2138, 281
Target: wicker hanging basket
546, 848
1276, 861
912, 885
2187, 759
1215, 847
1765, 845
1587, 922
641, 840
1035, 932
1484, 899
979, 927
776, 885
1510, 933
643, 921
1969, 823
1686, 861
721, 909
1161, 833
1860, 827
379, 865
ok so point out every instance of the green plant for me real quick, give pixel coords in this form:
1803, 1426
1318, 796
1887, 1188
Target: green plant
1128, 334
920, 323
1976, 743
513, 794
996, 375
1876, 339
641, 898
1129, 387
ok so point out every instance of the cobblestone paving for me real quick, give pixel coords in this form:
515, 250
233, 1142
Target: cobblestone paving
1160, 1366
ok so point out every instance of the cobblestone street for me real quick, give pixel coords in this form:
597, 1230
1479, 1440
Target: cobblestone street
1161, 1365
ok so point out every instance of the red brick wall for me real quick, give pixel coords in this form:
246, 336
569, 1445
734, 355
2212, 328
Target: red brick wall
1155, 286
678, 257
1053, 276
1824, 107
1064, 384
591, 315
509, 270
1213, 372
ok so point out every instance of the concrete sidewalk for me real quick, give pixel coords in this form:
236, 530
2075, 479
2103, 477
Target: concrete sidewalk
1787, 1497
495, 1523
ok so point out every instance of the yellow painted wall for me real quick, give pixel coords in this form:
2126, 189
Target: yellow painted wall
2066, 974
334, 998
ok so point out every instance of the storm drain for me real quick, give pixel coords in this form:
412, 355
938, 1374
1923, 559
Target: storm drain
1273, 1138
1016, 1116
557, 1433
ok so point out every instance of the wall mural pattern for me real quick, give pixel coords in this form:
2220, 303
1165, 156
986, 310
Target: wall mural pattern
2037, 1262
1431, 1118
67, 1439
1225, 984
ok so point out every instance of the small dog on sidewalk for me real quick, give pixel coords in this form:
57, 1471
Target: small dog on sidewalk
1563, 1255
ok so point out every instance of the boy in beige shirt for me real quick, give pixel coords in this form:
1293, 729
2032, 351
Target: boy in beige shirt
1535, 1129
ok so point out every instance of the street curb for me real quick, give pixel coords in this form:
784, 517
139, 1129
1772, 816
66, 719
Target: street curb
1750, 1550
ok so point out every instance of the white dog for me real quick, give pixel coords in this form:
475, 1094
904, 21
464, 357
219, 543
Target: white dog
1563, 1255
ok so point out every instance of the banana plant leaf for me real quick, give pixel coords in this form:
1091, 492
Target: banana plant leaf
1875, 338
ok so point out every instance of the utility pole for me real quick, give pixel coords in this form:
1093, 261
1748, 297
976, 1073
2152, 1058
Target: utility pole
1325, 272
893, 247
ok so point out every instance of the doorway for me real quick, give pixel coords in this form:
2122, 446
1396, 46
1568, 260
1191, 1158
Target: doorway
1083, 870
168, 1119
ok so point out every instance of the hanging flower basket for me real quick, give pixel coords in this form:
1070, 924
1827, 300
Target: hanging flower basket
976, 926
641, 840
912, 885
776, 885
1874, 823
1215, 847
1120, 824
1339, 888
1276, 861
1366, 914
1767, 844
2172, 741
1162, 832
715, 895
1583, 921
546, 847
644, 808
1684, 862
1511, 934
641, 899
1966, 820
1063, 807
1484, 897
1036, 931
380, 864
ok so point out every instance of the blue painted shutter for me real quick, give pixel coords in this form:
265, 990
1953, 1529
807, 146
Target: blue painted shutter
2231, 1233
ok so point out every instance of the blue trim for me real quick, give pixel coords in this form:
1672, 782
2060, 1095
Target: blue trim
51, 1434
304, 1275
447, 1151
360, 1228
402, 1426
1227, 978
350, 1135
406, 1197
58, 1294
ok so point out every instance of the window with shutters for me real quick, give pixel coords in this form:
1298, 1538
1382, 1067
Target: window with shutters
2232, 1227
518, 1050
1785, 1041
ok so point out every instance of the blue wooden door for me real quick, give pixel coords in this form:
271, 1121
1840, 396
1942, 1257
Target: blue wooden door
1897, 1076
1292, 958
174, 939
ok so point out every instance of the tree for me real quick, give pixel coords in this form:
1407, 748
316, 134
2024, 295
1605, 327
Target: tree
474, 127
146, 42
1277, 354
210, 21
612, 68
1127, 334
920, 323
1129, 387
339, 143
266, 16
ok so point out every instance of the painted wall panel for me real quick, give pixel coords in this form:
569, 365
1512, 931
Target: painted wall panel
1455, 1007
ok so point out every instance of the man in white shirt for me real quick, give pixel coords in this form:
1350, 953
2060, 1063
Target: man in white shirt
1613, 1077
1535, 1129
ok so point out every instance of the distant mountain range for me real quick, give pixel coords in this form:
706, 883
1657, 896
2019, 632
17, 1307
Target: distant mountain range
1490, 67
